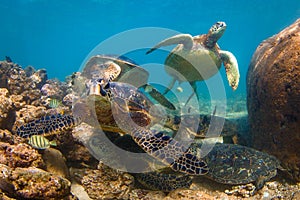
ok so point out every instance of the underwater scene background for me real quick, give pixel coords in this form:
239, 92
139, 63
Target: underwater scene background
58, 35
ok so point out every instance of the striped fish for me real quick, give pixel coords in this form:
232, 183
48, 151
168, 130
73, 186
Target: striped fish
55, 103
40, 142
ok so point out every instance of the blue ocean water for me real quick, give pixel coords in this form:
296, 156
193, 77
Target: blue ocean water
59, 34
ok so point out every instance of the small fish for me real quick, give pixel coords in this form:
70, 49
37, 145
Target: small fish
40, 142
155, 94
179, 89
8, 59
55, 103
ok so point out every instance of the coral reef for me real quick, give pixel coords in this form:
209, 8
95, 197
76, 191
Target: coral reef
5, 107
105, 183
19, 155
273, 97
32, 183
53, 89
14, 78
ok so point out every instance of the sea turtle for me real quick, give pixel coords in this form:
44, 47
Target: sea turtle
122, 69
198, 58
230, 164
127, 102
236, 164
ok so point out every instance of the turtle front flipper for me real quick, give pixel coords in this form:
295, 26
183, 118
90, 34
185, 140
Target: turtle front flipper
169, 151
185, 39
231, 67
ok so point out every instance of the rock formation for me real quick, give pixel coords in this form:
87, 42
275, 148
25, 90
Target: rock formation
273, 87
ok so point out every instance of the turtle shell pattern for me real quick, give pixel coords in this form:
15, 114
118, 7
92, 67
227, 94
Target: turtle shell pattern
236, 164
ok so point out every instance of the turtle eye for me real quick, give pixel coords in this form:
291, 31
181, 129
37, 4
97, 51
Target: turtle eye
102, 92
99, 80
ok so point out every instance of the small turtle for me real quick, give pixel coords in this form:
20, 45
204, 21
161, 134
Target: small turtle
235, 164
122, 69
198, 58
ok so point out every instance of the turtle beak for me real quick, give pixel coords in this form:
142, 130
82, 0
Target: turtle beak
93, 88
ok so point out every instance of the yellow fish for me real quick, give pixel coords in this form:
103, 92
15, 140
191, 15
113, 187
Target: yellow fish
40, 142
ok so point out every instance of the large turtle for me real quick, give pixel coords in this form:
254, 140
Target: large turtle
198, 58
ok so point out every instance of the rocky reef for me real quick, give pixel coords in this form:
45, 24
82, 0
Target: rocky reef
273, 97
28, 173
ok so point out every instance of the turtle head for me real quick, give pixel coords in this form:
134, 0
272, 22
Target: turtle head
215, 32
98, 87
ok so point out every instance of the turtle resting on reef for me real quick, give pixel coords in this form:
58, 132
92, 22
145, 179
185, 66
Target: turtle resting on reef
198, 58
235, 164
230, 164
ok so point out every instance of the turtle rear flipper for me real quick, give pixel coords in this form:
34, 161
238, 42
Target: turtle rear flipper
231, 67
185, 39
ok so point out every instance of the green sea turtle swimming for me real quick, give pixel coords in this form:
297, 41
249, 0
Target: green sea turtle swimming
198, 58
